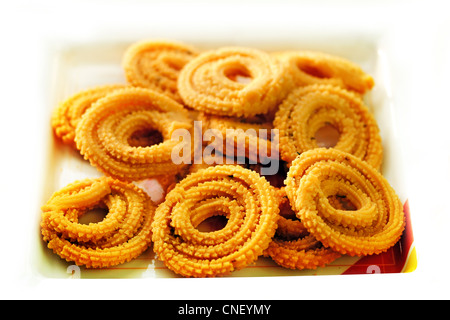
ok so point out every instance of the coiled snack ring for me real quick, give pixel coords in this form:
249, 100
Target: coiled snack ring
308, 109
374, 226
210, 82
103, 134
156, 65
293, 246
242, 195
309, 67
67, 115
121, 236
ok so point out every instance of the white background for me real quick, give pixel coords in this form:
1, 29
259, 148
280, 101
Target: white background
420, 74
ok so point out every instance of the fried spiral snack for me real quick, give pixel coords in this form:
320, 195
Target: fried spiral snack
308, 109
121, 236
303, 253
242, 195
309, 67
103, 134
376, 224
210, 82
68, 113
156, 65
249, 138
293, 246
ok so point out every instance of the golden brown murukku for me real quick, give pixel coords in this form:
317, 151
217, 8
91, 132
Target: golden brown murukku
376, 224
238, 138
103, 134
310, 67
69, 112
211, 82
308, 109
293, 246
123, 234
156, 65
302, 253
242, 195
289, 227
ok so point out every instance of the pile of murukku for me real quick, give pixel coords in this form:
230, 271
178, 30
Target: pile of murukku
325, 198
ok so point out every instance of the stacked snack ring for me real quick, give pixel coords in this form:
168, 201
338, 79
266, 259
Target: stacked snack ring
121, 236
210, 82
309, 67
156, 65
308, 109
102, 135
242, 195
67, 115
375, 225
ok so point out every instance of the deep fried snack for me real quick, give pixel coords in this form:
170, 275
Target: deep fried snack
121, 236
102, 135
302, 253
69, 112
293, 246
376, 224
289, 227
156, 65
239, 138
242, 195
212, 82
308, 109
310, 67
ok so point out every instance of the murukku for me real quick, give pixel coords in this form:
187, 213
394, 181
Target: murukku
66, 116
103, 134
213, 82
123, 234
239, 138
308, 109
293, 246
377, 222
156, 65
244, 197
310, 67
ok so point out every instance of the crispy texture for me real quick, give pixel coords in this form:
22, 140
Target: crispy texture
322, 203
293, 246
121, 236
244, 197
307, 109
241, 138
67, 115
102, 135
311, 67
209, 82
156, 65
376, 224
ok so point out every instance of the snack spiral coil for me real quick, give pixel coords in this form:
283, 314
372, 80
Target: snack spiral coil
67, 115
307, 109
309, 67
293, 246
156, 65
269, 190
376, 224
244, 197
121, 236
240, 138
103, 134
210, 83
